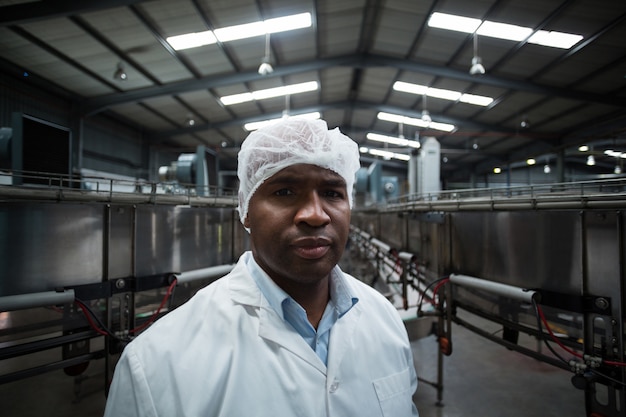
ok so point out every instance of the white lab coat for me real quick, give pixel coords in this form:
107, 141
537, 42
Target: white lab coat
227, 353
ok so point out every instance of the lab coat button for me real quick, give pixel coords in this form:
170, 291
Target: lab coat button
334, 386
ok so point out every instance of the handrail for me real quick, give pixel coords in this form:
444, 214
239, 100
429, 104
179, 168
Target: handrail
35, 186
573, 195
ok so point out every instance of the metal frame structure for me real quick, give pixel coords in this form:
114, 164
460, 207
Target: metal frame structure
535, 260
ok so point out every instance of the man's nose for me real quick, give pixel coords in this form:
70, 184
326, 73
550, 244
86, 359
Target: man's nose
311, 211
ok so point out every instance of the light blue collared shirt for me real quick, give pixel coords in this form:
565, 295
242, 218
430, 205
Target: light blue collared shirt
341, 301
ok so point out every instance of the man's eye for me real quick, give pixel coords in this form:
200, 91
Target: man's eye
333, 194
283, 192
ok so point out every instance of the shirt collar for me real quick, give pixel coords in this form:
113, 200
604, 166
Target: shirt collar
340, 297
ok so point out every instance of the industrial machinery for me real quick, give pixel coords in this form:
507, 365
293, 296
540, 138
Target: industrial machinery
546, 261
86, 269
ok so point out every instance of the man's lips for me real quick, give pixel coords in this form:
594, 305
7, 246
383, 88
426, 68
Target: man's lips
311, 247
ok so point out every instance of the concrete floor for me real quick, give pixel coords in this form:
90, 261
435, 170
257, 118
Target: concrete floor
481, 379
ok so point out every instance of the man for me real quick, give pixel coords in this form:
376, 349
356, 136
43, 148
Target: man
286, 333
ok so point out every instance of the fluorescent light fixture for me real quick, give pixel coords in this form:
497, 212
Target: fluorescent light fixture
247, 30
270, 93
396, 118
283, 24
250, 30
393, 140
386, 154
442, 93
262, 123
243, 31
191, 40
502, 30
555, 39
476, 99
453, 22
615, 154
410, 88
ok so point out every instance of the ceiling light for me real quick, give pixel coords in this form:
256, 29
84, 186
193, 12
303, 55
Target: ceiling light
525, 123
475, 145
275, 25
120, 73
190, 121
591, 160
396, 118
546, 169
425, 114
262, 123
442, 93
477, 67
617, 170
474, 99
453, 22
583, 148
555, 39
265, 67
503, 30
388, 155
497, 170
191, 40
393, 140
269, 93
531, 161
247, 30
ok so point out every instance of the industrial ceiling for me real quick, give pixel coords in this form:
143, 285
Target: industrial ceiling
546, 101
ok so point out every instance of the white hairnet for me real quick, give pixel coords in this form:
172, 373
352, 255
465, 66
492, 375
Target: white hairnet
289, 142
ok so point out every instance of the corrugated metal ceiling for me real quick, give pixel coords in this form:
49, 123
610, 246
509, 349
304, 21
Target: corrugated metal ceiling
356, 50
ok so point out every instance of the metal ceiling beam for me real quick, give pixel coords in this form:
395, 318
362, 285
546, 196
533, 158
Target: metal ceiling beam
466, 124
97, 104
17, 14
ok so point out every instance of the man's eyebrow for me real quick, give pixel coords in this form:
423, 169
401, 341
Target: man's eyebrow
294, 179
335, 182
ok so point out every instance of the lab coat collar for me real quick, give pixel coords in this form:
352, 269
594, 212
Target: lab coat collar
244, 290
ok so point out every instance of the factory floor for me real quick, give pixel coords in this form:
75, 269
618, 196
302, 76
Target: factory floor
480, 379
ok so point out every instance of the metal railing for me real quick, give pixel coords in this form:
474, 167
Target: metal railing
43, 186
574, 195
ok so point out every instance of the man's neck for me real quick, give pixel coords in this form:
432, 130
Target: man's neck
313, 298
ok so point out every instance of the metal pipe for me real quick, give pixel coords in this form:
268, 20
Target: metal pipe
36, 299
204, 273
504, 290
381, 245
407, 256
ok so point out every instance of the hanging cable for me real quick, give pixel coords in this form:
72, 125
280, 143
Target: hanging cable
437, 284
154, 316
542, 317
96, 324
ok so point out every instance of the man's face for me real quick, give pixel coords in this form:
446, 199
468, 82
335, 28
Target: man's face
299, 220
